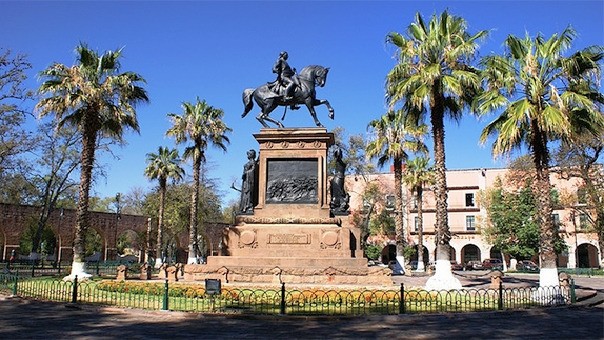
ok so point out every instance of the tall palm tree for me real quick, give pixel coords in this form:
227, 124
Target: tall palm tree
543, 96
99, 101
201, 124
163, 165
433, 73
416, 175
394, 136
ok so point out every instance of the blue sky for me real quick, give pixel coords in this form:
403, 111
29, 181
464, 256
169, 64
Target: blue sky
216, 49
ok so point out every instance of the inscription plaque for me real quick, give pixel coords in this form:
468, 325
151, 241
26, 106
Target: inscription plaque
288, 239
292, 181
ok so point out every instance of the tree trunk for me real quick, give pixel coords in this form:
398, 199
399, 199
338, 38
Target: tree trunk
420, 229
401, 235
442, 224
193, 247
443, 278
548, 276
82, 216
160, 223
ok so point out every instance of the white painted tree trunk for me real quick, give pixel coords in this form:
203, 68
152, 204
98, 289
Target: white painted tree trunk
78, 269
420, 267
548, 277
443, 278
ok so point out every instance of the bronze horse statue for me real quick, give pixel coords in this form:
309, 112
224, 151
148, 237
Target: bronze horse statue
268, 96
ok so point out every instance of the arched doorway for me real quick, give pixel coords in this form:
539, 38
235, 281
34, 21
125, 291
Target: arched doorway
470, 252
93, 245
495, 253
415, 256
587, 256
389, 253
131, 244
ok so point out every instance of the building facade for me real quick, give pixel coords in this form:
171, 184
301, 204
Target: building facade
466, 216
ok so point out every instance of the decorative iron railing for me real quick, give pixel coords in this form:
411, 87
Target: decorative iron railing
166, 295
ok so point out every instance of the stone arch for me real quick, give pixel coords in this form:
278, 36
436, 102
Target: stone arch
495, 253
174, 247
96, 245
389, 253
587, 256
470, 252
131, 242
414, 257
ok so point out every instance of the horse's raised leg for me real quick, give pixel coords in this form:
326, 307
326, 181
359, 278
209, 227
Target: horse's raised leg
318, 102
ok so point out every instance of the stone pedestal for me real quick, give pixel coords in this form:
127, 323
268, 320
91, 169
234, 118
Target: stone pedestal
291, 236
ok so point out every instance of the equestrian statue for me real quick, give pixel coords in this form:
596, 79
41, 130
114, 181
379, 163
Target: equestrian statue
289, 90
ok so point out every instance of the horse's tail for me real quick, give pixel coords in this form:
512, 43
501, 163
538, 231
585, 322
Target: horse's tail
247, 101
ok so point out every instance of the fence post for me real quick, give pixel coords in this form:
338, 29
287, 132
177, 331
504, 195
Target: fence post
15, 285
33, 268
97, 268
500, 300
74, 294
401, 305
573, 293
282, 311
165, 304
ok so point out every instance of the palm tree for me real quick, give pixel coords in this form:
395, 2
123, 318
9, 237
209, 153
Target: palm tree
201, 124
543, 96
417, 174
433, 72
163, 165
393, 137
99, 101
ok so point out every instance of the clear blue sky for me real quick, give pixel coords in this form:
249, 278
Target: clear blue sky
216, 49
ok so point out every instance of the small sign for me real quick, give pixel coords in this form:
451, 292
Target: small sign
213, 287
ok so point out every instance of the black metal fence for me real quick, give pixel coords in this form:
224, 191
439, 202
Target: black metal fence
193, 298
30, 268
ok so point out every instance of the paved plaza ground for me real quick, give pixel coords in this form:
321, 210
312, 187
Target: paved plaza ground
44, 320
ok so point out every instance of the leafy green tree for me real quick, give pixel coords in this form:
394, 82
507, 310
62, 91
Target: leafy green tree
163, 165
382, 224
433, 72
543, 96
393, 138
99, 101
418, 174
200, 124
512, 226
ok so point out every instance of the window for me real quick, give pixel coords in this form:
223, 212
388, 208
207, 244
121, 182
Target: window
415, 202
416, 223
556, 222
470, 200
390, 202
584, 222
471, 223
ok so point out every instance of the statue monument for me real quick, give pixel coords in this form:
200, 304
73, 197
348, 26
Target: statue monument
290, 89
249, 184
288, 228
